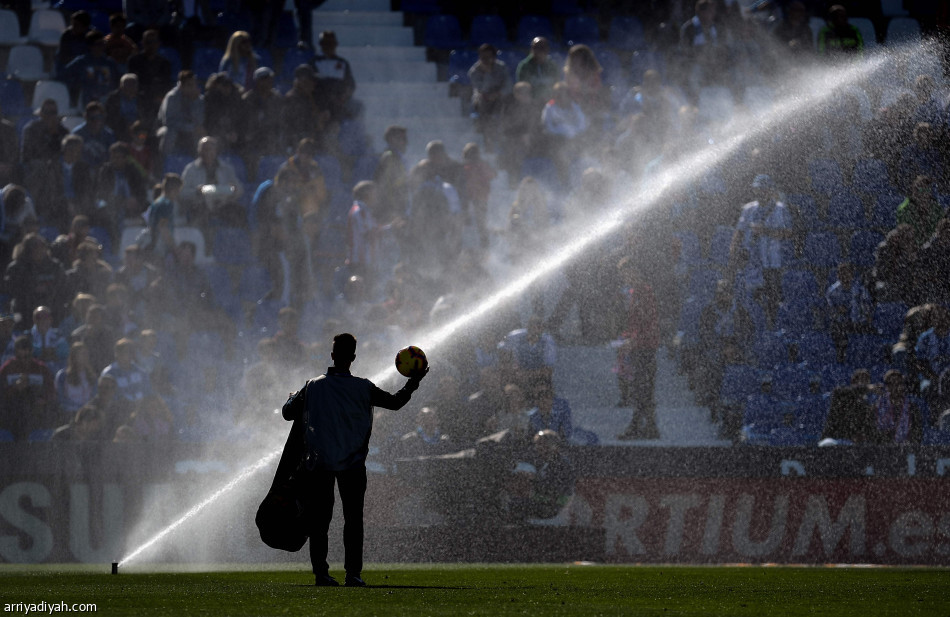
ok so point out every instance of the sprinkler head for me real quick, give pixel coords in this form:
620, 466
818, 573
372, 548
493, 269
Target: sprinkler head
115, 567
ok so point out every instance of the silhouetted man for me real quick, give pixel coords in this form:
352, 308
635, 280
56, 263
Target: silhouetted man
336, 409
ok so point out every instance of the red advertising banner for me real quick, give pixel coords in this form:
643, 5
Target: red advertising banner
795, 520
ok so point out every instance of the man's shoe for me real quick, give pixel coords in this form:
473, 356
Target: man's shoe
354, 581
325, 580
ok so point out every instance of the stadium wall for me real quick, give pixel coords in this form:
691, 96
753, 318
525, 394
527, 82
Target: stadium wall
663, 505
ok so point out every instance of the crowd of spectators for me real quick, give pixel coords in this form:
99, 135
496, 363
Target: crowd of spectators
188, 237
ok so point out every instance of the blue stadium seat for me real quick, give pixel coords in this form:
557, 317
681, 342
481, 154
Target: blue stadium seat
219, 279
806, 208
488, 29
687, 329
886, 202
352, 138
264, 320
690, 251
862, 246
846, 210
643, 60
756, 315
237, 163
99, 20
293, 58
720, 244
205, 61
888, 319
102, 236
816, 348
333, 177
268, 165
542, 169
287, 35
790, 382
511, 58
443, 32
763, 415
834, 375
232, 246
174, 58
12, 98
902, 30
42, 434
795, 316
868, 350
702, 284
460, 61
801, 286
739, 382
870, 175
531, 26
365, 167
6, 436
626, 33
822, 249
614, 73
581, 29
49, 233
175, 163
826, 177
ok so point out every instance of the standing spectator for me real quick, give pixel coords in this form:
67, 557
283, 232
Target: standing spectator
43, 136
89, 274
162, 216
98, 336
35, 279
849, 308
88, 424
240, 61
181, 116
539, 70
96, 135
551, 413
528, 219
119, 46
476, 188
311, 194
583, 76
27, 395
563, 125
335, 83
72, 42
490, 87
64, 247
261, 118
124, 107
131, 381
391, 175
838, 38
921, 210
636, 357
530, 355
49, 346
136, 275
764, 227
363, 233
224, 111
898, 417
301, 117
93, 75
143, 149
520, 129
75, 384
154, 72
933, 351
9, 151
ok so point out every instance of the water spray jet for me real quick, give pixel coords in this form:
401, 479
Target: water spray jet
688, 169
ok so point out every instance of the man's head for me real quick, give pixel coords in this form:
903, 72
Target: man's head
129, 85
540, 48
95, 115
706, 11
894, 383
188, 84
397, 138
49, 112
208, 150
846, 274
23, 347
487, 53
343, 351
119, 154
304, 78
71, 148
95, 43
117, 23
763, 189
838, 15
79, 227
88, 422
171, 185
365, 192
125, 353
522, 92
328, 42
264, 79
80, 21
43, 318
435, 152
151, 42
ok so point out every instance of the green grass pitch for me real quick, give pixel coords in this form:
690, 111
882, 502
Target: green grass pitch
496, 590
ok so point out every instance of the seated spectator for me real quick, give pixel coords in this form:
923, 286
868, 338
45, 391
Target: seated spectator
563, 124
27, 395
34, 279
154, 72
143, 149
921, 210
261, 117
181, 116
490, 88
88, 424
528, 219
335, 84
121, 189
98, 336
64, 247
75, 384
794, 31
849, 308
583, 76
43, 136
16, 214
476, 189
77, 314
850, 417
136, 275
426, 439
838, 38
224, 112
125, 106
764, 227
89, 274
519, 133
550, 413
704, 46
936, 255
656, 102
119, 46
152, 420
93, 75
211, 188
96, 136
899, 419
434, 220
311, 194
49, 346
301, 116
119, 310
240, 61
544, 484
161, 217
131, 382
512, 416
539, 70
531, 354
933, 351
65, 186
924, 157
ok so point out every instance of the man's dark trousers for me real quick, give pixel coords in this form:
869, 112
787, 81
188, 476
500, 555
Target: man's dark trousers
319, 505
